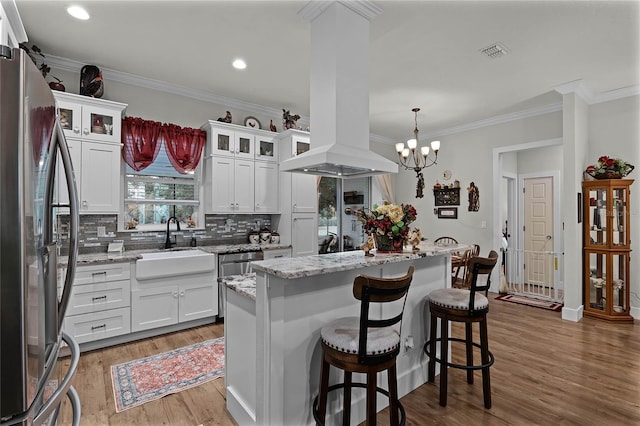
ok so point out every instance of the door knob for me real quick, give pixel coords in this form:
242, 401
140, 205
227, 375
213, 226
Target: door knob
548, 237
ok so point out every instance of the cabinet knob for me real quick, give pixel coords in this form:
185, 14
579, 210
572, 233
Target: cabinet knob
175, 294
76, 130
231, 206
237, 206
85, 131
85, 204
182, 293
257, 206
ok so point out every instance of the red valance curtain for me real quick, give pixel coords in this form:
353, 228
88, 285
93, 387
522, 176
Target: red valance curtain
141, 140
184, 146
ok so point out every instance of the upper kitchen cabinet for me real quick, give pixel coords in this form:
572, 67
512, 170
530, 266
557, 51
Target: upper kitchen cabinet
241, 169
95, 153
229, 140
12, 31
83, 117
304, 194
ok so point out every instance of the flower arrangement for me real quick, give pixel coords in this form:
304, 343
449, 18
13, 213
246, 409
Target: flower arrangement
387, 220
609, 168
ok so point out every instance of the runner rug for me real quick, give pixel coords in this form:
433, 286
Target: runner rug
536, 303
153, 377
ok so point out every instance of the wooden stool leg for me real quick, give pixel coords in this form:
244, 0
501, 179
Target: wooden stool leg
372, 384
346, 406
468, 331
484, 349
324, 389
444, 356
393, 395
432, 348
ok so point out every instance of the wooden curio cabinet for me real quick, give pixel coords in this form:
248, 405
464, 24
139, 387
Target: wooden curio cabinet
606, 249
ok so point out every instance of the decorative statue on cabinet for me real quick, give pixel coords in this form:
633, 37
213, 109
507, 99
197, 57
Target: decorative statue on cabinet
226, 118
91, 83
288, 120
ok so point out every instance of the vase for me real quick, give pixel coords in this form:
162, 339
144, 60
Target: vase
386, 244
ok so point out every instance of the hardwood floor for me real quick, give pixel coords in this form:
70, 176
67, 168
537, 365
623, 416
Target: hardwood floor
547, 371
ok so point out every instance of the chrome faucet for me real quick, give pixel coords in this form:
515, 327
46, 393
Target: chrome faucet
168, 243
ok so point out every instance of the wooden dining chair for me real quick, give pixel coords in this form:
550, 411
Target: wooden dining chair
445, 241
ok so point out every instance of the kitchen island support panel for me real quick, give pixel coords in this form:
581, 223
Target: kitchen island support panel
289, 315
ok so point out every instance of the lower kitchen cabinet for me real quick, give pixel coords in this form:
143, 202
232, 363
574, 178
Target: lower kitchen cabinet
99, 306
99, 325
302, 225
168, 304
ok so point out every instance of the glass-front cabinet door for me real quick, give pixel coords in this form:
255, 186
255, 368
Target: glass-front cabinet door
607, 278
606, 212
266, 149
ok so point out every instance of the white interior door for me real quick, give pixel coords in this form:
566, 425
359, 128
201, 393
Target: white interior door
538, 230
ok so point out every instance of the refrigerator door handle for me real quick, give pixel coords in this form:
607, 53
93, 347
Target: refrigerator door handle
73, 223
64, 387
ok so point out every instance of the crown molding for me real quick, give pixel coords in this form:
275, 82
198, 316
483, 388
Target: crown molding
365, 8
122, 77
15, 22
162, 86
499, 119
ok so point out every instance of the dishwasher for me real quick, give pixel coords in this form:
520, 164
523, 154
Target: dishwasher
233, 264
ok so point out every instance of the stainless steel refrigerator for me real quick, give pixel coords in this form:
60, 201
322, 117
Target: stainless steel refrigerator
32, 307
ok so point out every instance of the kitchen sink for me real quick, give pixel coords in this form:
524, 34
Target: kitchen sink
161, 264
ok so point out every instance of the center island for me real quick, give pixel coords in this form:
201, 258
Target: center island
272, 333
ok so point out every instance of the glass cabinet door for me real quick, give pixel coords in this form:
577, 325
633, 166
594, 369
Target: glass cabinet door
244, 145
620, 217
266, 149
596, 286
597, 217
101, 124
619, 280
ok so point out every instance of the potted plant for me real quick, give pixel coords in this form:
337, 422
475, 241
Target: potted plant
36, 55
388, 223
609, 168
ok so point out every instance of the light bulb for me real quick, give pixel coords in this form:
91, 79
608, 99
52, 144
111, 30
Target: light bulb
425, 151
399, 147
412, 143
435, 145
405, 153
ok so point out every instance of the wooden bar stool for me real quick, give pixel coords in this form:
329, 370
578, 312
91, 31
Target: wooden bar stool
468, 306
364, 345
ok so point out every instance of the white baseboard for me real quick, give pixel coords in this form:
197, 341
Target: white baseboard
574, 315
238, 409
635, 312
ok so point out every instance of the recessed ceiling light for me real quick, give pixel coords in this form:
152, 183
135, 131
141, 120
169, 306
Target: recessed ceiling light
239, 64
78, 12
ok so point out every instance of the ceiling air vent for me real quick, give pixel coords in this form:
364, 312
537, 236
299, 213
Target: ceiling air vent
495, 50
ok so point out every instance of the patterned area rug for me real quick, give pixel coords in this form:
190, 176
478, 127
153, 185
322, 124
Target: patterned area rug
153, 377
536, 303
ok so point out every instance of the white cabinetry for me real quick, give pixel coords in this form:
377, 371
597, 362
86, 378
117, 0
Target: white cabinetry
167, 301
241, 170
276, 253
100, 301
266, 187
298, 224
230, 186
93, 131
12, 31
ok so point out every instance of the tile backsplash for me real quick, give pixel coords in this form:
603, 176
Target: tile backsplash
219, 229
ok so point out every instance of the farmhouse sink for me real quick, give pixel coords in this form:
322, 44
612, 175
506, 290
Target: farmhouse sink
161, 264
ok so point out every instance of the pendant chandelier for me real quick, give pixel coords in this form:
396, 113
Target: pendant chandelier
413, 159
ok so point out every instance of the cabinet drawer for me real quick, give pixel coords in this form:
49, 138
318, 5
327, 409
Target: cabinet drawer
99, 325
101, 273
99, 297
275, 253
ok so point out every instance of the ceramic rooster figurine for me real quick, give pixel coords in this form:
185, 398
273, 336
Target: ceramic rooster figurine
368, 245
414, 238
272, 126
226, 118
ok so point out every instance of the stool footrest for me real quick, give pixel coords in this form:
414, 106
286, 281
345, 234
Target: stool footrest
461, 366
403, 416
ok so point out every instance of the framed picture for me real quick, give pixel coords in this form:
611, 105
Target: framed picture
447, 213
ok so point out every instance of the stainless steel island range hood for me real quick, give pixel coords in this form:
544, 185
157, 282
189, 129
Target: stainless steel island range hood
339, 91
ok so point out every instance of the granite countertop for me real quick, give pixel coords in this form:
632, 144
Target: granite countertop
306, 266
244, 284
133, 255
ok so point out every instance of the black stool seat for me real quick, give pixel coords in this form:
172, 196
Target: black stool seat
365, 345
467, 306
